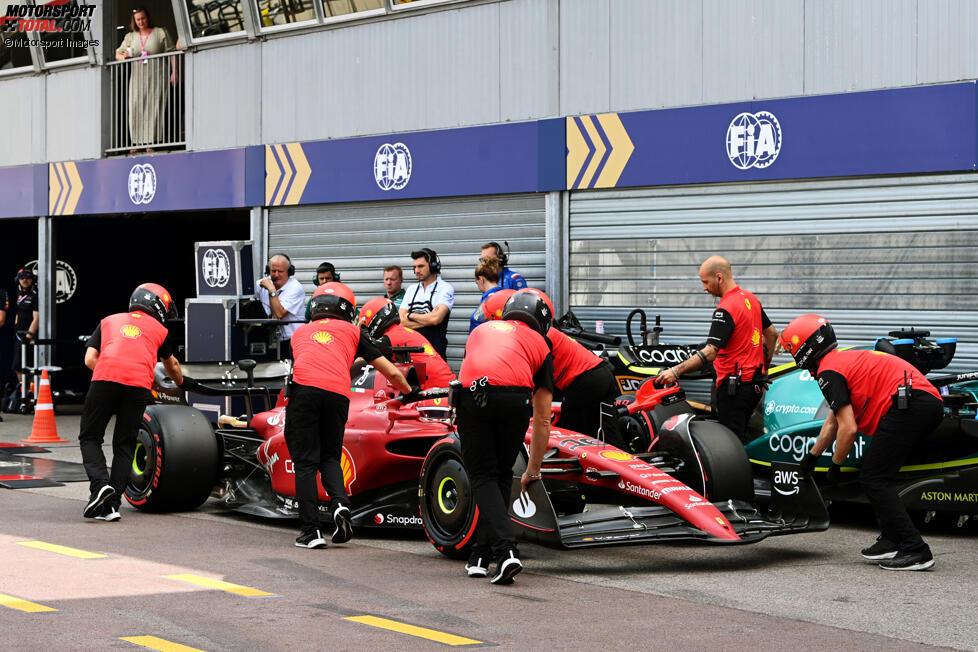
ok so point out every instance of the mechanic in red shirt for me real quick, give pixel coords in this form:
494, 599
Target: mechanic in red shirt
507, 369
122, 352
740, 346
319, 402
381, 319
885, 398
586, 382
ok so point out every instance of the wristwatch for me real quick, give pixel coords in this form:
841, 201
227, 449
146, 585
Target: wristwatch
275, 293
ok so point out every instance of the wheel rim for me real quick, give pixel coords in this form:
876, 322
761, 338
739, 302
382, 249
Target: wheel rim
143, 463
447, 495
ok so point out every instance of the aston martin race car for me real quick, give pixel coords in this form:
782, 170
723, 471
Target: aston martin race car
943, 474
402, 467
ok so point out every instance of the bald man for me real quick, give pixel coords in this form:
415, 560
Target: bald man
283, 298
740, 345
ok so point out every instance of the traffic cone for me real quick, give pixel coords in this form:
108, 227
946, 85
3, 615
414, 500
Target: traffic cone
44, 430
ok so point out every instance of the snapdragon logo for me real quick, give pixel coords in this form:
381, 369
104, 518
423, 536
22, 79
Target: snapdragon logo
391, 519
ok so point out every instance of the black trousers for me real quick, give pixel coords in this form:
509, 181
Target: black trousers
491, 438
735, 411
581, 407
898, 432
314, 426
105, 399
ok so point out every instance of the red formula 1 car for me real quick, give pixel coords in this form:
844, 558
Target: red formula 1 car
403, 469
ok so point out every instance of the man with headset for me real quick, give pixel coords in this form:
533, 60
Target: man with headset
427, 304
325, 273
283, 298
508, 279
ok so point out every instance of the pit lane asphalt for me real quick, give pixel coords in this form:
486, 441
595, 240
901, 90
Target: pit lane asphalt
804, 592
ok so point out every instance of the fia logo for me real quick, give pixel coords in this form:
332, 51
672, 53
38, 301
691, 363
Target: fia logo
142, 184
216, 267
753, 140
392, 166
66, 281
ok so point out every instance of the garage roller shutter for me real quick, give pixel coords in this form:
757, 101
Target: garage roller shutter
361, 239
872, 255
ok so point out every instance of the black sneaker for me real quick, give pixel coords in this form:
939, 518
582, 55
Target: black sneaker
918, 560
882, 549
97, 500
344, 531
477, 566
507, 567
108, 513
310, 539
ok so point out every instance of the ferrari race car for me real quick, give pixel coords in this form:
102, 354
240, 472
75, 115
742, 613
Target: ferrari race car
403, 468
943, 476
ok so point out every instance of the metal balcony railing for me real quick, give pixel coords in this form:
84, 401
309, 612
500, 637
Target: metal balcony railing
146, 110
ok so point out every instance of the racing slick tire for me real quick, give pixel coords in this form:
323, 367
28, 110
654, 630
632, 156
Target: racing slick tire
725, 465
448, 511
176, 459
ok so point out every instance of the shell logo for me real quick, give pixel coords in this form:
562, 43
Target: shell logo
410, 330
131, 331
349, 469
322, 337
429, 350
747, 303
755, 337
621, 456
502, 326
166, 298
368, 313
794, 339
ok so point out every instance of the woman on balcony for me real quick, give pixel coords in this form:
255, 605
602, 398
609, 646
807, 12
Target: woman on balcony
147, 79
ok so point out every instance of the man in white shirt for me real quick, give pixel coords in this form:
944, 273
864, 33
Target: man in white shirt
427, 305
283, 298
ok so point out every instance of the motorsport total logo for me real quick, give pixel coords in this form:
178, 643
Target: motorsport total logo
54, 16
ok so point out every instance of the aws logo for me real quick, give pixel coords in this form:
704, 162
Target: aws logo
130, 331
322, 337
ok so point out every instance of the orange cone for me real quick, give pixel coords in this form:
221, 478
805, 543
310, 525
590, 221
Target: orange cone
44, 430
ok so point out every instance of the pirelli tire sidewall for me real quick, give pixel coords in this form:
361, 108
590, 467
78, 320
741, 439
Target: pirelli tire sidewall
725, 463
175, 464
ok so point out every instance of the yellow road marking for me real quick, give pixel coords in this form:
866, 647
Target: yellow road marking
62, 550
209, 583
155, 643
23, 605
413, 630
